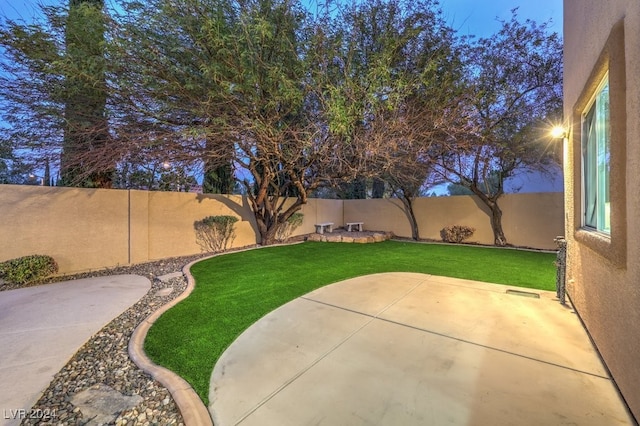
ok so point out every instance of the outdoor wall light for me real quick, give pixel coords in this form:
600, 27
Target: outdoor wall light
558, 132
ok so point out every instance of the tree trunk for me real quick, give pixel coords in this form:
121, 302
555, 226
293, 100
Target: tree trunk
499, 238
269, 219
496, 224
408, 210
268, 237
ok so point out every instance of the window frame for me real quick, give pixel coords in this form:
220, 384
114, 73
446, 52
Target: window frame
588, 152
612, 246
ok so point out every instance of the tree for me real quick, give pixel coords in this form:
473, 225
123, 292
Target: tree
392, 50
405, 77
515, 87
53, 90
489, 186
31, 88
233, 83
12, 169
86, 125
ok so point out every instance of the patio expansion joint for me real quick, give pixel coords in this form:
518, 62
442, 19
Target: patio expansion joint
435, 333
329, 351
493, 348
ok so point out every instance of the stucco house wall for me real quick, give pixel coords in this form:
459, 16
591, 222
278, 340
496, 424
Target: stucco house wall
603, 271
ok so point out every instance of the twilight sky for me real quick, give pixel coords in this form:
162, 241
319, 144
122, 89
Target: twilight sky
480, 17
476, 17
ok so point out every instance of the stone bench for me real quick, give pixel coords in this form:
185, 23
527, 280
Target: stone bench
320, 227
350, 226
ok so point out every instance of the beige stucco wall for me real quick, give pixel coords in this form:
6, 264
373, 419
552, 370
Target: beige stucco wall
603, 273
530, 220
87, 229
320, 211
81, 229
172, 216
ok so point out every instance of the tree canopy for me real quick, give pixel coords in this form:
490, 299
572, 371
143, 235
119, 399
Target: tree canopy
280, 96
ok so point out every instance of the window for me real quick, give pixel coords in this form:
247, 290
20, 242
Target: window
596, 137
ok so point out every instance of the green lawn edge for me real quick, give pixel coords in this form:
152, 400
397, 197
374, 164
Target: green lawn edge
235, 290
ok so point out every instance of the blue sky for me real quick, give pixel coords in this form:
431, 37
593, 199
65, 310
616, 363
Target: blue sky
477, 17
481, 17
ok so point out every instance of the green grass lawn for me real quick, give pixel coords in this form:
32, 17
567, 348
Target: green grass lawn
235, 290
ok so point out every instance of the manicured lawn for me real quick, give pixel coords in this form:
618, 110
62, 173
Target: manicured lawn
235, 290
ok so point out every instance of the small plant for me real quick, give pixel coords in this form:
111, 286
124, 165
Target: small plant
286, 229
215, 233
28, 269
456, 233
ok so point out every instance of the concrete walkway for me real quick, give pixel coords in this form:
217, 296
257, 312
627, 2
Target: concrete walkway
42, 327
413, 349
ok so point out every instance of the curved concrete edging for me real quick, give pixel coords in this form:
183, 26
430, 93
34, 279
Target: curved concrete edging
189, 403
193, 411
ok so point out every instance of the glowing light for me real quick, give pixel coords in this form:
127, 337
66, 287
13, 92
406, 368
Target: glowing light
558, 132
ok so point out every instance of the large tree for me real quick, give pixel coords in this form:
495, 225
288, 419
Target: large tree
402, 92
53, 90
243, 83
514, 83
86, 124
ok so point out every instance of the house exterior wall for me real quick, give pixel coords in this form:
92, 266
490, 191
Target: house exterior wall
603, 272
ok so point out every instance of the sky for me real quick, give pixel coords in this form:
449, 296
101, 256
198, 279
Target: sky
482, 17
468, 17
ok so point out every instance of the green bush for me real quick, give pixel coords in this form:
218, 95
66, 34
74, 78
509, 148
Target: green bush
456, 233
28, 269
286, 229
215, 233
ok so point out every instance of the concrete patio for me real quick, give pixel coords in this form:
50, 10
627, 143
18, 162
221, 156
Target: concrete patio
413, 349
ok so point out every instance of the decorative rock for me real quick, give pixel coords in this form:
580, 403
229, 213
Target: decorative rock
167, 277
341, 235
334, 238
101, 404
164, 292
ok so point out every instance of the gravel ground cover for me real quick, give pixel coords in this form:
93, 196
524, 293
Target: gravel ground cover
104, 359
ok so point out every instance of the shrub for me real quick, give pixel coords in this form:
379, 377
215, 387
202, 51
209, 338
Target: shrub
456, 233
215, 233
28, 269
286, 229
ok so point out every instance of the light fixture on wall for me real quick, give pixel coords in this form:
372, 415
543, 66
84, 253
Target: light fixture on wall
558, 132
